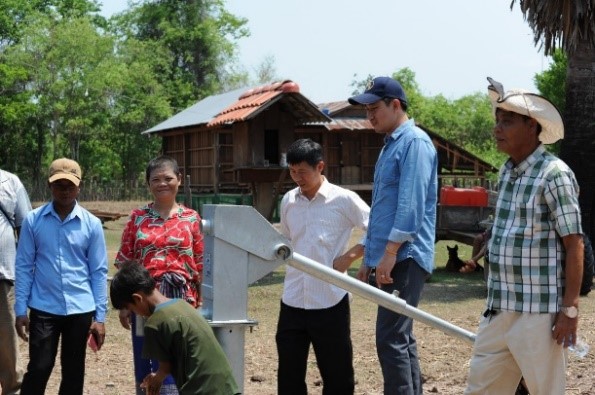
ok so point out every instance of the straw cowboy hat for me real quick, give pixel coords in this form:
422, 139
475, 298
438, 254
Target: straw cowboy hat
532, 105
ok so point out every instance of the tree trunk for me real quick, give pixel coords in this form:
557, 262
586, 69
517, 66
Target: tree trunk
578, 146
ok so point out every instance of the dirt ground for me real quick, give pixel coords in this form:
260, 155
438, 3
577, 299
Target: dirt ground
444, 359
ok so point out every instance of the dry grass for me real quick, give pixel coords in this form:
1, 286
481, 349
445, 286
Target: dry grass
453, 297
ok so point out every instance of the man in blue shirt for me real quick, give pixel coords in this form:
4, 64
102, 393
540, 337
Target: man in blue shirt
61, 276
399, 249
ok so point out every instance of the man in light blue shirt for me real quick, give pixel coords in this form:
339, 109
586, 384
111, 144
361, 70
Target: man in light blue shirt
399, 253
61, 277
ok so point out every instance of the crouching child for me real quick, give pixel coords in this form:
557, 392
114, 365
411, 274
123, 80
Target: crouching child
175, 334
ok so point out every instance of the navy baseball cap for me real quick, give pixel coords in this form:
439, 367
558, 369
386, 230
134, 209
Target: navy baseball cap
378, 89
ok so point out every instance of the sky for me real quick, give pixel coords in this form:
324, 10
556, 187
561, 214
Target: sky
324, 45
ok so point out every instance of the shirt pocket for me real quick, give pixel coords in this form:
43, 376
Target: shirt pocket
326, 236
531, 218
387, 175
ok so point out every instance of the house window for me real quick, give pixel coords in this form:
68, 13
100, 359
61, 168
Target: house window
271, 146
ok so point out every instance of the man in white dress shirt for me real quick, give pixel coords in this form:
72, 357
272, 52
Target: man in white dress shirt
318, 218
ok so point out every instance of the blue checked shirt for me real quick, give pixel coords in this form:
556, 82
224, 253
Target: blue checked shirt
404, 198
537, 206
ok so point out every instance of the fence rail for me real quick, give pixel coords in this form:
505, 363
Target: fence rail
93, 190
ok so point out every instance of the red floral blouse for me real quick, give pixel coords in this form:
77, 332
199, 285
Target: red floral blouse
173, 246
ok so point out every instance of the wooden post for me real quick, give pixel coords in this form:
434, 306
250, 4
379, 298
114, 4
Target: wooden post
188, 193
276, 194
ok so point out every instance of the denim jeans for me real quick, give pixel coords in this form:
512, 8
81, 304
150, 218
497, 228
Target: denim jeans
395, 343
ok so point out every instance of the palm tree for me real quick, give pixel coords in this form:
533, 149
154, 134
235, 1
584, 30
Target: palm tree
570, 25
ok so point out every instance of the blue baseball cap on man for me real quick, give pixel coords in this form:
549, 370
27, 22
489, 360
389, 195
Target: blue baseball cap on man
380, 88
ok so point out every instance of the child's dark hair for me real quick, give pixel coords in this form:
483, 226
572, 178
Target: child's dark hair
131, 278
159, 162
304, 150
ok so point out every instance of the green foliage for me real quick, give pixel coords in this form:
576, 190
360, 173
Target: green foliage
551, 83
74, 84
197, 38
63, 60
467, 121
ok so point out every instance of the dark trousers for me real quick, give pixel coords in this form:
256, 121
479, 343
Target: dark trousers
329, 332
45, 331
395, 343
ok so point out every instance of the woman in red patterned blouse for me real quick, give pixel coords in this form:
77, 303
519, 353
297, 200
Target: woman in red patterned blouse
164, 237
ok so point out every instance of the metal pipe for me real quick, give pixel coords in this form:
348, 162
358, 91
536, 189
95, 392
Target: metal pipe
373, 294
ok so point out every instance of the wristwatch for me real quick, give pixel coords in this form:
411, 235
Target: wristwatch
569, 311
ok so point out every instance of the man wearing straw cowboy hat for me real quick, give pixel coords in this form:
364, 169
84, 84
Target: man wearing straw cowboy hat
532, 304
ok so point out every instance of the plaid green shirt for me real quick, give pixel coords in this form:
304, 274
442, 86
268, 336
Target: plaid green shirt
537, 206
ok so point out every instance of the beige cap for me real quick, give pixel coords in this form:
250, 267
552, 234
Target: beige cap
66, 169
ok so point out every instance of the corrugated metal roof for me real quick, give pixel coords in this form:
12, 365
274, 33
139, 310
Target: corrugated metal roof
349, 124
198, 114
333, 107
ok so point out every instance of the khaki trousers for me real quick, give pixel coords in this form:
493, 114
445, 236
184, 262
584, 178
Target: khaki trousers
11, 371
510, 345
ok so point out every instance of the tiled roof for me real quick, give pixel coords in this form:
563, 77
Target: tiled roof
256, 100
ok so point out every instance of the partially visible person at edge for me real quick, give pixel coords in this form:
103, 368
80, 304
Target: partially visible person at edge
318, 218
532, 304
479, 251
14, 206
61, 277
165, 238
399, 253
176, 335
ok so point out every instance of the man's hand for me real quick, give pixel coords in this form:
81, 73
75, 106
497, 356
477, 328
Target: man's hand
98, 331
565, 328
124, 316
564, 331
341, 263
22, 326
363, 273
384, 268
152, 384
470, 266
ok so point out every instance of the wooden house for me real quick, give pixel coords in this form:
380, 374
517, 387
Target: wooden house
234, 143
